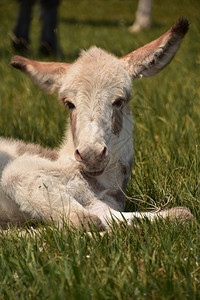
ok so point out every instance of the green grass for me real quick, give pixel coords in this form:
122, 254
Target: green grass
159, 261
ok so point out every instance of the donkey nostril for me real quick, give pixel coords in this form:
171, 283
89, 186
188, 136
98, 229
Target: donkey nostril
77, 155
91, 155
105, 152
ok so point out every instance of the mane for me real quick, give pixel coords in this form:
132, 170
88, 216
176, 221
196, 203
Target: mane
96, 54
94, 51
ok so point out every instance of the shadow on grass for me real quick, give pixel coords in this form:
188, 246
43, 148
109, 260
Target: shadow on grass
94, 23
105, 23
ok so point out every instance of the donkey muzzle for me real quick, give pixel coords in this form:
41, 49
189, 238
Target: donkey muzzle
93, 158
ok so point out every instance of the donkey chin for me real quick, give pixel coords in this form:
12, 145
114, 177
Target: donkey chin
91, 170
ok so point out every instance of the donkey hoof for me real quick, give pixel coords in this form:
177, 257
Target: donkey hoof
181, 213
93, 220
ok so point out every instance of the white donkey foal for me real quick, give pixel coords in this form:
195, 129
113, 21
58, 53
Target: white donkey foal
84, 181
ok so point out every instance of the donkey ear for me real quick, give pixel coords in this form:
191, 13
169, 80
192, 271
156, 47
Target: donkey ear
153, 57
47, 75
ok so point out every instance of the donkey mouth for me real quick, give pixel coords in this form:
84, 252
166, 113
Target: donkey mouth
94, 173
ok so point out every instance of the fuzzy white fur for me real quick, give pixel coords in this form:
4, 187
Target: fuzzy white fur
87, 186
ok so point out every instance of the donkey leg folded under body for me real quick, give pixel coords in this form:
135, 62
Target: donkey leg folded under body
42, 191
38, 194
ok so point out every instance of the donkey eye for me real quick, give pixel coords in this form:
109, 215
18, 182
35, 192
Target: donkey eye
69, 104
118, 102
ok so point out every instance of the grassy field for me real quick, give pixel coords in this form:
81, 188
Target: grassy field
159, 261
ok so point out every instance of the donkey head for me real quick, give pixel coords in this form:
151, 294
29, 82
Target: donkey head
97, 88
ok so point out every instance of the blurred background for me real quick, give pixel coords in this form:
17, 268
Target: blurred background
82, 23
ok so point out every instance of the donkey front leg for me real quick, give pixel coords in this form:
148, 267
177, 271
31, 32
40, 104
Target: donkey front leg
107, 214
181, 213
40, 195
